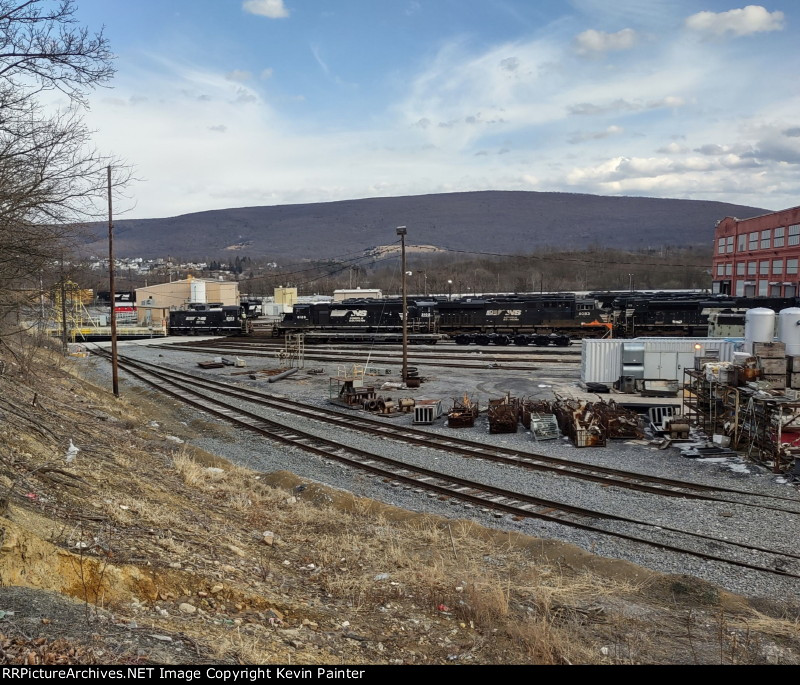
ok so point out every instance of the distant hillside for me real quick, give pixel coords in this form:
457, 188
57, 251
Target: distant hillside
493, 221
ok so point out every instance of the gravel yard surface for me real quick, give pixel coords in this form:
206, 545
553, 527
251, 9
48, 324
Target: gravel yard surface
735, 522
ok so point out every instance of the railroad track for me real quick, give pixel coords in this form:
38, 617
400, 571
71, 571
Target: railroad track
469, 448
489, 362
475, 494
441, 348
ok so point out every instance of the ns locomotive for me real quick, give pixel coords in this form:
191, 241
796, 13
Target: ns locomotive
362, 320
539, 320
209, 319
521, 319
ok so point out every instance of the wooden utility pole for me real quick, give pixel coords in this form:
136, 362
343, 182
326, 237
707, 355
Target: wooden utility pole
63, 307
112, 294
401, 231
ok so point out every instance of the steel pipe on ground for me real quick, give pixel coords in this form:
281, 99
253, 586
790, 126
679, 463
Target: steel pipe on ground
281, 375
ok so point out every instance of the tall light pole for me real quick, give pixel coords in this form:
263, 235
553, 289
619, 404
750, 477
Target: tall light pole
630, 282
449, 289
401, 231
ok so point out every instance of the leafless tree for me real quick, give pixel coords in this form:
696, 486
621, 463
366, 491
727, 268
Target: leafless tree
52, 179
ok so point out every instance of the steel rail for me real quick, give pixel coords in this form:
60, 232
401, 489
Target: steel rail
470, 449
490, 365
517, 504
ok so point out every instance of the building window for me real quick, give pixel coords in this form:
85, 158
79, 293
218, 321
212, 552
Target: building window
777, 266
720, 269
754, 240
765, 240
763, 288
742, 242
740, 268
729, 269
777, 241
729, 244
751, 268
721, 246
763, 268
794, 235
791, 266
739, 288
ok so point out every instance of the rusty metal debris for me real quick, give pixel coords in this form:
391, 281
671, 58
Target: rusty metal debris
619, 423
463, 413
579, 423
504, 415
350, 392
529, 407
406, 405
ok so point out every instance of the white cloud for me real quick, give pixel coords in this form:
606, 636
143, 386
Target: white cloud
413, 7
594, 42
315, 50
672, 149
739, 22
238, 75
272, 9
620, 105
595, 135
715, 137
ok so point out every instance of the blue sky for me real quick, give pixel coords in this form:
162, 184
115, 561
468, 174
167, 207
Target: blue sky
229, 103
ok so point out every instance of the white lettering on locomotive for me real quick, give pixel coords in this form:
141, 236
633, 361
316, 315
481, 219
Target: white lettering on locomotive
360, 313
507, 313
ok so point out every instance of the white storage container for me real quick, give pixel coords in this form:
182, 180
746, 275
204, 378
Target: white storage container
601, 361
197, 291
759, 326
789, 330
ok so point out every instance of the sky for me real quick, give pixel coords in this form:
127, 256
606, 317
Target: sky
232, 103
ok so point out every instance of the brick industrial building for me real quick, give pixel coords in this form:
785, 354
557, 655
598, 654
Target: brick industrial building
758, 256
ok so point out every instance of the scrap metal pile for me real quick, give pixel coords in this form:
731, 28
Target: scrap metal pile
590, 424
619, 423
504, 415
580, 423
463, 413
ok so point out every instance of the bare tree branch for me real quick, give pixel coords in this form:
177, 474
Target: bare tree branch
52, 179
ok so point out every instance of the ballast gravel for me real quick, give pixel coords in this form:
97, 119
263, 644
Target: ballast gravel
734, 521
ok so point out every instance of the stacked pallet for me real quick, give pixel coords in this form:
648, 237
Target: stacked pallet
793, 372
782, 371
771, 358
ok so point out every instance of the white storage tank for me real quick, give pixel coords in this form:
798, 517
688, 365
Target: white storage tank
198, 291
759, 326
789, 329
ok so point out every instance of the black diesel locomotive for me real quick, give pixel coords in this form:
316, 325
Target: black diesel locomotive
362, 319
540, 320
543, 319
209, 319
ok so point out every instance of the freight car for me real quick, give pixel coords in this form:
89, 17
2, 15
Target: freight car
363, 320
209, 319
